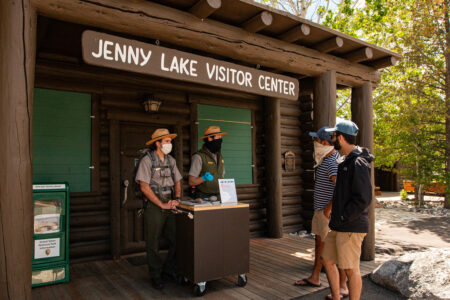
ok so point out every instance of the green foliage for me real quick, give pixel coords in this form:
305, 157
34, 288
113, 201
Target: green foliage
403, 195
410, 102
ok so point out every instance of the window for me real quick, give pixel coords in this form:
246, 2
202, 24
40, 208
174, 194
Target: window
62, 138
237, 145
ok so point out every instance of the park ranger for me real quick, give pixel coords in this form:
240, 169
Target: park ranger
160, 182
207, 165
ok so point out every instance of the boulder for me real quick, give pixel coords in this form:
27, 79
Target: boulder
417, 275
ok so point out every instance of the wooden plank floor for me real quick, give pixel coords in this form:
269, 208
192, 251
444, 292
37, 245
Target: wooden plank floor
274, 265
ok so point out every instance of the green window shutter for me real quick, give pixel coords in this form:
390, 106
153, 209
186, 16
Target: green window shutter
237, 145
62, 138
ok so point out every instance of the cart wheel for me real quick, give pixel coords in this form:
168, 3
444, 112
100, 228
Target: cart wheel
242, 280
200, 289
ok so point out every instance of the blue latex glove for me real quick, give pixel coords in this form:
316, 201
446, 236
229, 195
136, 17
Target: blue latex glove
207, 177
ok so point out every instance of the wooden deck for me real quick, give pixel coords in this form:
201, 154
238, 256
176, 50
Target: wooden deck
274, 265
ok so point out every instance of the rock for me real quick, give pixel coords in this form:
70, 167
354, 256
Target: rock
417, 275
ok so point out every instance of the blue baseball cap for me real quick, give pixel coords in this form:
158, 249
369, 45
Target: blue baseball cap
322, 134
346, 126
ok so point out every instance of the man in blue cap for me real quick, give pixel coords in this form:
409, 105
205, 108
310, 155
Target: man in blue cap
349, 221
326, 167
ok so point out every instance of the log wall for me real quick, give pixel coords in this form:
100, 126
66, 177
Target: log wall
292, 117
117, 95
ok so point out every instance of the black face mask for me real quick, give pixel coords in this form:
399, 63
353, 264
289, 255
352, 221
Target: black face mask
214, 146
336, 144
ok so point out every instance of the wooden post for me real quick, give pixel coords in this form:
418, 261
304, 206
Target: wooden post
17, 62
114, 181
273, 168
362, 115
324, 100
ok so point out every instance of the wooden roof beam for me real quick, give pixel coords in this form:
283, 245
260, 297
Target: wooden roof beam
295, 34
204, 8
329, 45
383, 62
359, 55
258, 22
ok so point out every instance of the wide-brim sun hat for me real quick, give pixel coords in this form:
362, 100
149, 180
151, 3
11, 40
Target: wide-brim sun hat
160, 134
211, 131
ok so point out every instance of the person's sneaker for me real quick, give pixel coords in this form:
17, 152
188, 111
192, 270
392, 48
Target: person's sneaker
157, 283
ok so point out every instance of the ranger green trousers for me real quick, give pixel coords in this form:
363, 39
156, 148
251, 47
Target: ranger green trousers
158, 222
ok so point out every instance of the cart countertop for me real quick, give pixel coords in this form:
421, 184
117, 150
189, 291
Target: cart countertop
212, 207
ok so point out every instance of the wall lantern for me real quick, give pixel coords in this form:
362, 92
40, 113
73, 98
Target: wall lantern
151, 104
289, 161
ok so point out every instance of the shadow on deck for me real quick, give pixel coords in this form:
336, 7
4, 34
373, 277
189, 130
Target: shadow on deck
274, 265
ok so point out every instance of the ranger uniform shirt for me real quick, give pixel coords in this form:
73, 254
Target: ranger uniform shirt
163, 177
196, 165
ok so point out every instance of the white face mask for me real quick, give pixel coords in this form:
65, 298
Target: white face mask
320, 151
166, 148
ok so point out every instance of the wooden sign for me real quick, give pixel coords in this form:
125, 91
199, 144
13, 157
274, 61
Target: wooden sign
105, 50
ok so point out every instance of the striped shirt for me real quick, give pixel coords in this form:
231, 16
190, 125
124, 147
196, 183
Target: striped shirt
324, 187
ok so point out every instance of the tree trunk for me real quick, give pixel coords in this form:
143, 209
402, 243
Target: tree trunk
447, 101
17, 60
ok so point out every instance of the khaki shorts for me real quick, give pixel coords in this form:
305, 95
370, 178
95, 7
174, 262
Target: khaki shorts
319, 225
343, 248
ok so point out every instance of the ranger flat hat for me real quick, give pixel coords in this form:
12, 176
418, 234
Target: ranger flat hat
212, 130
159, 134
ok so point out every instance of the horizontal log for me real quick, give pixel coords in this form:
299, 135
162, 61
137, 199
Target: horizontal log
285, 141
287, 181
292, 220
156, 21
166, 106
257, 214
329, 45
89, 219
297, 172
258, 225
306, 97
89, 249
306, 116
295, 34
292, 191
383, 62
293, 210
290, 131
162, 119
89, 234
204, 8
308, 164
292, 200
289, 111
89, 207
258, 22
293, 228
359, 55
289, 121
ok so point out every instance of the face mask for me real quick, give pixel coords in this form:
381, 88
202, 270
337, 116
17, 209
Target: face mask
166, 148
337, 145
320, 151
214, 146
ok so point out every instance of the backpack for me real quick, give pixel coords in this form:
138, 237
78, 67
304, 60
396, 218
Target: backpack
155, 165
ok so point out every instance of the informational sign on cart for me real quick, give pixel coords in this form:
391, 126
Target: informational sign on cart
46, 248
227, 188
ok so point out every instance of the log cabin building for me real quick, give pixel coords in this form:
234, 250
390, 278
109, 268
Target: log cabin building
76, 76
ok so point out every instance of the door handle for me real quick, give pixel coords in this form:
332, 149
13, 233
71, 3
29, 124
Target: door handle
125, 191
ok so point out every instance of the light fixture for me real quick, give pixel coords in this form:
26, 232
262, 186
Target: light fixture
151, 104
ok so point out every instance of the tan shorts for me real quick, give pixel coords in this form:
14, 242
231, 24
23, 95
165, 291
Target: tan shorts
319, 225
343, 248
